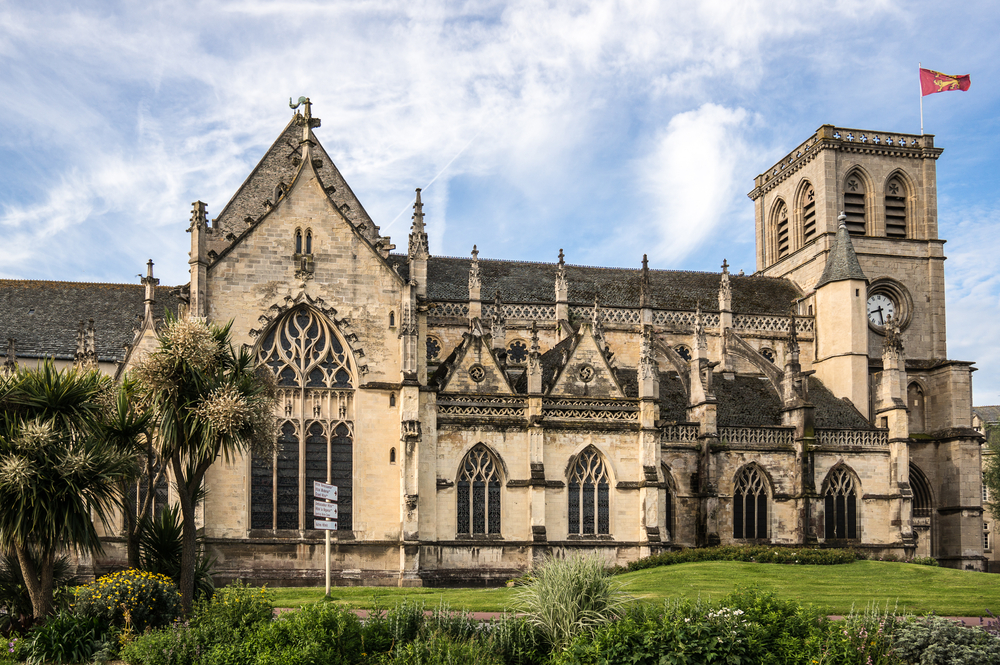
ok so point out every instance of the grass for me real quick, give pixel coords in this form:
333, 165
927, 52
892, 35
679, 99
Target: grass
833, 589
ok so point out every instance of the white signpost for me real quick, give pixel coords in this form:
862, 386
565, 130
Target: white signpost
323, 495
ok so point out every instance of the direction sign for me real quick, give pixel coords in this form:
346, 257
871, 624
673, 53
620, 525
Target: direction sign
324, 525
324, 491
323, 509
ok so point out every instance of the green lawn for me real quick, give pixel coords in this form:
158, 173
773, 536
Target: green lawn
834, 589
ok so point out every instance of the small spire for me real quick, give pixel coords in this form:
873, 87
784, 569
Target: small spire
418, 237
199, 215
150, 283
841, 263
725, 267
644, 283
475, 281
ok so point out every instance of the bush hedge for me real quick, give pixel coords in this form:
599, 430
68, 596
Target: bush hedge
131, 600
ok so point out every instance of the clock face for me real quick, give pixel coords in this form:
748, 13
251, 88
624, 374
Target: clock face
880, 308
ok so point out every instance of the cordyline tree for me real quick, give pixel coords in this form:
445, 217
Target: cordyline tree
209, 401
57, 471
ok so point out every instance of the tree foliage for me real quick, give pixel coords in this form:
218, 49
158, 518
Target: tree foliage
210, 400
991, 468
57, 472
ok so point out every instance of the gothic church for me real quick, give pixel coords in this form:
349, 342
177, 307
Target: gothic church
479, 414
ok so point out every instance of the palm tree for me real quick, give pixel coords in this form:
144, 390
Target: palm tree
210, 401
56, 471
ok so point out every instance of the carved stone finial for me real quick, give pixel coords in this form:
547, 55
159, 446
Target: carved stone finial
725, 289
150, 283
562, 259
199, 215
842, 220
647, 364
498, 327
475, 280
644, 283
475, 254
699, 329
725, 267
562, 287
893, 342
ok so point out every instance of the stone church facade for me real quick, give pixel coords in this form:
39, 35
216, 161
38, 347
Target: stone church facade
480, 414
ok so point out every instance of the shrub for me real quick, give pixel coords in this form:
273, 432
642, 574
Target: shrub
320, 633
176, 645
160, 542
131, 599
862, 638
442, 649
234, 611
785, 632
516, 640
925, 561
810, 556
938, 641
15, 604
572, 596
70, 638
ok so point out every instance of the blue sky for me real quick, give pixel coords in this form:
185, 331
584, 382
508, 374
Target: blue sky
609, 129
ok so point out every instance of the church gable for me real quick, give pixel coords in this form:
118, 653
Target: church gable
586, 372
474, 369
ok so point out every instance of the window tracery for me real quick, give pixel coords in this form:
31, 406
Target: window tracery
589, 495
750, 498
479, 493
315, 396
517, 352
841, 505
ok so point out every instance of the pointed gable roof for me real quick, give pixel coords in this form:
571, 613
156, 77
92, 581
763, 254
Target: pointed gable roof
277, 167
472, 367
586, 372
841, 263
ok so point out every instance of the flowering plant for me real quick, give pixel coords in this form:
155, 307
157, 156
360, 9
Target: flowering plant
132, 598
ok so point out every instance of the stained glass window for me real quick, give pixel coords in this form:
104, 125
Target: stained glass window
589, 495
750, 504
315, 404
841, 504
479, 493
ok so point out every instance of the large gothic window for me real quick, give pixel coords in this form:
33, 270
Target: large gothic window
841, 504
922, 501
750, 504
589, 495
479, 493
854, 204
315, 404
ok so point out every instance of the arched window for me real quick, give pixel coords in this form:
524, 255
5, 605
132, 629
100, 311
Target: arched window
298, 241
392, 399
895, 208
854, 204
781, 229
315, 407
915, 402
808, 206
683, 351
767, 353
392, 456
922, 501
309, 241
666, 506
750, 504
589, 495
392, 319
479, 493
841, 504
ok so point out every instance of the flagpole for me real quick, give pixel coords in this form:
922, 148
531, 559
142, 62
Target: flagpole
920, 85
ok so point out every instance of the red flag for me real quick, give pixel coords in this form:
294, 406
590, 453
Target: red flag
932, 81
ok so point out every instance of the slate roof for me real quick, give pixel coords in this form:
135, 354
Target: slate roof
527, 282
746, 401
833, 412
988, 414
43, 317
278, 166
842, 263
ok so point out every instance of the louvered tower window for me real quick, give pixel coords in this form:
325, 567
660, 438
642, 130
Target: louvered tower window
841, 505
750, 504
895, 208
854, 205
781, 227
808, 213
589, 495
315, 406
479, 493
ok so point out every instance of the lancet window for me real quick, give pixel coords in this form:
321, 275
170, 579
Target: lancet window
782, 230
841, 505
895, 208
854, 204
479, 493
921, 492
750, 504
589, 495
808, 205
315, 405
